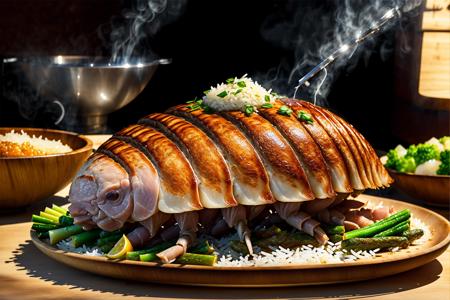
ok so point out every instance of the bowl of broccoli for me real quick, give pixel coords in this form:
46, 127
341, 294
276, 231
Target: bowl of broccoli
423, 170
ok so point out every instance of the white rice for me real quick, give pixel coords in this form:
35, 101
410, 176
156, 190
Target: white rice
90, 251
237, 96
38, 142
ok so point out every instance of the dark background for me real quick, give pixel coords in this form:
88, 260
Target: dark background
209, 42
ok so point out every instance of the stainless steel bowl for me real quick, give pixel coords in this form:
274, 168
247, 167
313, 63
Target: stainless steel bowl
95, 86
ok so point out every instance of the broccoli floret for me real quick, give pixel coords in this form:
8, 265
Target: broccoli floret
424, 152
445, 141
393, 159
412, 150
444, 167
406, 165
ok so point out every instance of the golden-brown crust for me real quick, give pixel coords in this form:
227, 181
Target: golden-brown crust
330, 152
308, 152
208, 161
275, 149
175, 171
242, 157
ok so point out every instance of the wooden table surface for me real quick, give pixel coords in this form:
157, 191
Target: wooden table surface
26, 273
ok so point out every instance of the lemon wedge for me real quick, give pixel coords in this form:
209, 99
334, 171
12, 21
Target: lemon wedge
120, 249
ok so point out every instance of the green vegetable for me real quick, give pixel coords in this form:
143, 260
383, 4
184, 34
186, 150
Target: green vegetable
444, 167
364, 244
206, 92
248, 109
65, 220
393, 159
241, 84
413, 234
380, 226
304, 116
43, 227
106, 247
230, 80
39, 219
60, 234
329, 229
42, 235
197, 259
267, 232
267, 98
84, 238
425, 152
222, 94
49, 216
285, 110
147, 257
396, 230
109, 233
109, 239
53, 212
134, 255
237, 92
267, 105
334, 238
202, 248
406, 164
60, 209
445, 141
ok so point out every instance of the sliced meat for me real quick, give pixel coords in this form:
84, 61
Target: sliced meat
216, 189
178, 185
308, 152
250, 180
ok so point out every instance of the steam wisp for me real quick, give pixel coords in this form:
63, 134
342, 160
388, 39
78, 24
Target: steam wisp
345, 48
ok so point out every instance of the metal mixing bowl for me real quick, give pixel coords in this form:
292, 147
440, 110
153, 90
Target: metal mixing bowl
95, 86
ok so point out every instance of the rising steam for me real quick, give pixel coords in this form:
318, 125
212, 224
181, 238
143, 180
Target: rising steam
144, 19
318, 34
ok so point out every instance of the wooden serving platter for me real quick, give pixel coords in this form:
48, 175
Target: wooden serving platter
289, 275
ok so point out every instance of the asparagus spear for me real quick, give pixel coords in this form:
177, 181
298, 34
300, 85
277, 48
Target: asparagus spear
49, 216
105, 248
413, 234
394, 231
60, 209
334, 238
65, 220
39, 219
43, 227
380, 226
330, 230
108, 239
60, 234
202, 248
134, 255
197, 259
42, 235
147, 257
109, 233
374, 243
84, 237
53, 212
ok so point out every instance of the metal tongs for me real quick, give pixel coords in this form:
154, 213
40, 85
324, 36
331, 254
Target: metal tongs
343, 49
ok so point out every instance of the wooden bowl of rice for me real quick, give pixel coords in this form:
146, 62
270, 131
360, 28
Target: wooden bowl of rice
56, 157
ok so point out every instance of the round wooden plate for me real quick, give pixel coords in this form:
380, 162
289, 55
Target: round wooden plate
290, 275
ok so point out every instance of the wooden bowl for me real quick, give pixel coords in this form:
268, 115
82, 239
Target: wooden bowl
25, 180
431, 189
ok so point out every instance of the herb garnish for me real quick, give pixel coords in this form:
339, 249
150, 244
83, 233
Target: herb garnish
248, 109
241, 84
237, 92
267, 98
230, 80
267, 105
304, 116
284, 110
206, 92
222, 94
197, 104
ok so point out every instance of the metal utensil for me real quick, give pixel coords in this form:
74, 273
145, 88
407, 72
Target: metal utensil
343, 49
93, 85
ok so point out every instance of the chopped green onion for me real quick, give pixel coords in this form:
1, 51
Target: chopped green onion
241, 84
303, 116
206, 92
237, 92
230, 80
267, 98
222, 94
248, 110
284, 110
267, 105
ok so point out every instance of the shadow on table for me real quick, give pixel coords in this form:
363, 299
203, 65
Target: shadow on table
23, 214
29, 259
